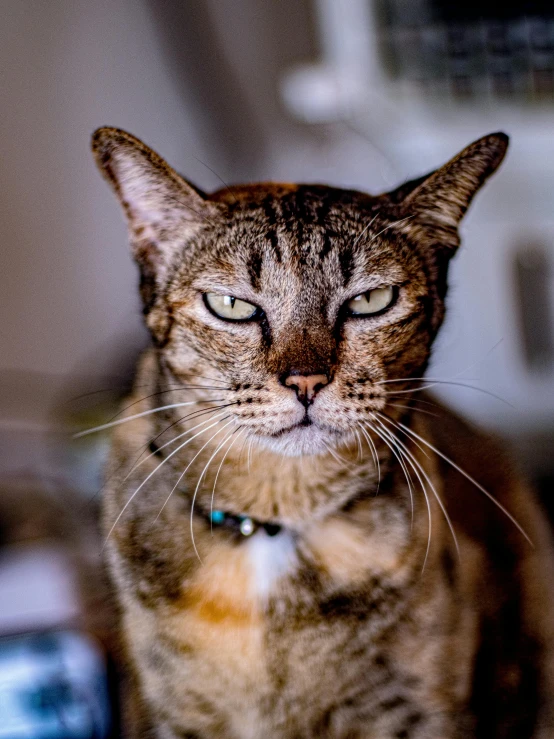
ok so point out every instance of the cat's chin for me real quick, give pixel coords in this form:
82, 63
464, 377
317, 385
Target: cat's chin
300, 441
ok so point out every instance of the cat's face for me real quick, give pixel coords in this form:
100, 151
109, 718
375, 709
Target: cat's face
302, 302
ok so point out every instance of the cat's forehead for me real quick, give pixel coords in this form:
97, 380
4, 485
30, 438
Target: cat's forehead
299, 226
308, 240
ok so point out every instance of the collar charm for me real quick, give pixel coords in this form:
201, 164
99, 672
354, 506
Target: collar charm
244, 524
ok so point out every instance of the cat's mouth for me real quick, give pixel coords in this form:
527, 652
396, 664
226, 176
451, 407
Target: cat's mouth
306, 421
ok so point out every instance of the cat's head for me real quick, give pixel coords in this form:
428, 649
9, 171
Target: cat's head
302, 301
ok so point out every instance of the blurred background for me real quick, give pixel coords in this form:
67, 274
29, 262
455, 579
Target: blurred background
357, 93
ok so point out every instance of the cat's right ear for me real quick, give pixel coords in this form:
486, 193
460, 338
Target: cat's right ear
161, 208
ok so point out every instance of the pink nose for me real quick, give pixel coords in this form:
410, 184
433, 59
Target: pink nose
306, 386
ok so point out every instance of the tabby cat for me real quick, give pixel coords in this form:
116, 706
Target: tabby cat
302, 543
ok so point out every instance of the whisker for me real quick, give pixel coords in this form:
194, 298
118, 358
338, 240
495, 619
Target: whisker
116, 389
193, 415
111, 424
480, 361
200, 481
416, 410
375, 456
245, 441
232, 420
170, 390
435, 493
231, 193
406, 474
427, 503
414, 441
391, 225
366, 229
195, 456
421, 401
219, 470
172, 441
336, 456
360, 452
432, 382
331, 452
470, 479
188, 441
144, 447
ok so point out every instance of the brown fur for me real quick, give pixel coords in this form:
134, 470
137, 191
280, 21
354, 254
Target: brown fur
350, 622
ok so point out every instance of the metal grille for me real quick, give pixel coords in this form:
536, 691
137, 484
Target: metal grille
469, 49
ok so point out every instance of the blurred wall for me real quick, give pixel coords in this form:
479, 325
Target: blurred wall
202, 83
68, 291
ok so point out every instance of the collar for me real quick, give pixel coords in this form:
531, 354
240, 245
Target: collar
244, 525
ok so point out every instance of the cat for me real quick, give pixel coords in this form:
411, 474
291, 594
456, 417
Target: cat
303, 544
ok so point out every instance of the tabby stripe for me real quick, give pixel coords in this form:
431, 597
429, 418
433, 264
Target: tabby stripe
254, 266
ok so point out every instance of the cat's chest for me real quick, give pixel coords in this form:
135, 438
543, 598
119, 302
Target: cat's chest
248, 575
253, 624
228, 604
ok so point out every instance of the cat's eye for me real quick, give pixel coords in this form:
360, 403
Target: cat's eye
372, 302
229, 307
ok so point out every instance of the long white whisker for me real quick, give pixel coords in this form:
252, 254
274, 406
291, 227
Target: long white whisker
414, 441
140, 415
470, 479
406, 473
241, 431
374, 454
144, 447
391, 225
411, 408
360, 452
172, 441
432, 382
366, 229
437, 496
128, 503
427, 503
175, 389
479, 361
394, 441
199, 482
183, 473
332, 453
336, 456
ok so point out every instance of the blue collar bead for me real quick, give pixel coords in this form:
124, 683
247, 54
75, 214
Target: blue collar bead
217, 517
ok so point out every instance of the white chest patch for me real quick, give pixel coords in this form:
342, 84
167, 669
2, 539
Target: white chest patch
271, 558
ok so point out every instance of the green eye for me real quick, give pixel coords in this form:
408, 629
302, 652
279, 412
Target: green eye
372, 301
229, 307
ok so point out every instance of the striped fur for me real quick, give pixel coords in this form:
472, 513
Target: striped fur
351, 622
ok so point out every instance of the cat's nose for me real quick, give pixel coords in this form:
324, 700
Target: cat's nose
306, 386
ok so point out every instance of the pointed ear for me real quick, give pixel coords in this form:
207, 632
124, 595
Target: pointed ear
161, 208
435, 204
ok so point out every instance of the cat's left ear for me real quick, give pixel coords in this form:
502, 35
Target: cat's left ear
162, 209
435, 204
